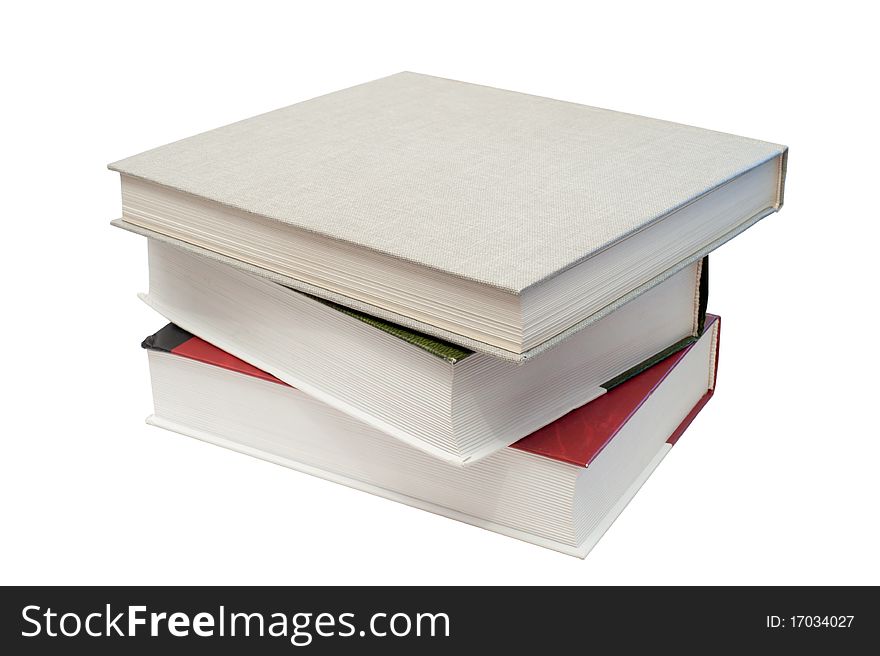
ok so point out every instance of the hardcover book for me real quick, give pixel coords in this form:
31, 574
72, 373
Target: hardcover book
497, 221
453, 403
560, 487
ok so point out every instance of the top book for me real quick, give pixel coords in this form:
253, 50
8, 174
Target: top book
496, 220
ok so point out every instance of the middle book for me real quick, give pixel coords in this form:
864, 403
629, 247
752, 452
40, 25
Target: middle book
439, 397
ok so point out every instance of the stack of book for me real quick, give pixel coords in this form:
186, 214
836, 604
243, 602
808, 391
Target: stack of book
482, 303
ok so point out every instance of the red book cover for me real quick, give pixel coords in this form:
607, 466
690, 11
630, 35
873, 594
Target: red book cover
576, 438
579, 436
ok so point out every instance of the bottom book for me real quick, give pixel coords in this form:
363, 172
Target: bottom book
561, 487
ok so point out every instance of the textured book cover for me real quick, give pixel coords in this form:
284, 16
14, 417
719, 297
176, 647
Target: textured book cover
497, 187
491, 220
433, 345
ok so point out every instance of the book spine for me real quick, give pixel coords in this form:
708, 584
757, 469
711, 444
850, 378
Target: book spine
704, 295
682, 427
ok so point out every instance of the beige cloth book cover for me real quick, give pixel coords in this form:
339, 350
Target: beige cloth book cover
497, 220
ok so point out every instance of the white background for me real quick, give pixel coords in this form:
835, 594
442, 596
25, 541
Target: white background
775, 482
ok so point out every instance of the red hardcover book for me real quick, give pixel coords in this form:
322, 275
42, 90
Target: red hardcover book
560, 487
